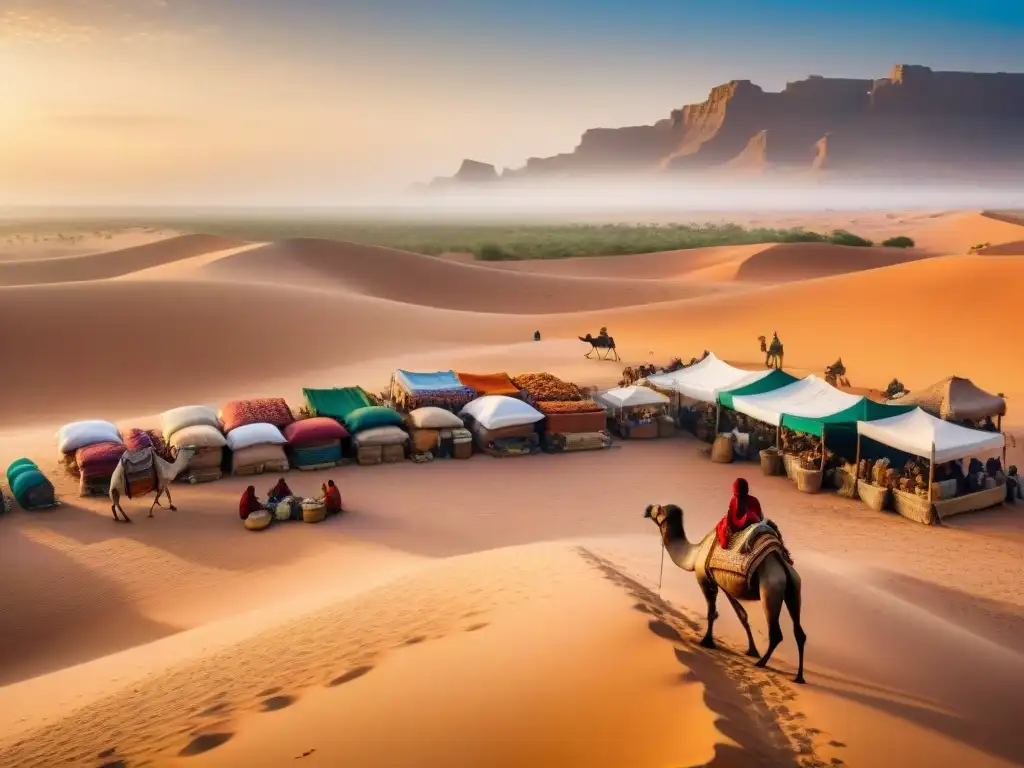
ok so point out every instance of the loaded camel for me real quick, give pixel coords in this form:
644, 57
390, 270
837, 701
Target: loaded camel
142, 472
835, 374
773, 352
599, 342
773, 582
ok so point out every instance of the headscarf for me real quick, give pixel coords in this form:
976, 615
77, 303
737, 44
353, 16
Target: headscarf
740, 492
248, 503
281, 490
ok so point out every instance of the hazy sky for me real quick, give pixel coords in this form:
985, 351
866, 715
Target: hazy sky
242, 101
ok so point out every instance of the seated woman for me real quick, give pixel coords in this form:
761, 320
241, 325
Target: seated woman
248, 503
279, 491
744, 511
1013, 488
975, 476
332, 498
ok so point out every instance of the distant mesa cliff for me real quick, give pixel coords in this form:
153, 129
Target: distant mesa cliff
951, 124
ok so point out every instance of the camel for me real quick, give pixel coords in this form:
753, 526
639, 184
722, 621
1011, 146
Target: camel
835, 374
599, 342
774, 582
772, 352
143, 472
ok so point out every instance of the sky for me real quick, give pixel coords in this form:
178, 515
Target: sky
307, 101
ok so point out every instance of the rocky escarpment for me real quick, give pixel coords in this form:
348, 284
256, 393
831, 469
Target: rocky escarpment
916, 120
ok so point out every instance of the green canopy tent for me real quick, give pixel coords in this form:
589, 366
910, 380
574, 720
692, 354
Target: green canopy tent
774, 380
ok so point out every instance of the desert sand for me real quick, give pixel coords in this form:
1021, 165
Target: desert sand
493, 612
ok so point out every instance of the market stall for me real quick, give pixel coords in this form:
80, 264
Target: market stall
634, 411
922, 435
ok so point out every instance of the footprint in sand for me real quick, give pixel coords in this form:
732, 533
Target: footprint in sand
274, 703
204, 743
414, 640
475, 627
115, 764
269, 691
106, 753
217, 709
349, 676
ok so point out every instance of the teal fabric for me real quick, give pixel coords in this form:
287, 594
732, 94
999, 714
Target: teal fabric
865, 410
16, 465
21, 469
370, 417
771, 382
25, 482
336, 403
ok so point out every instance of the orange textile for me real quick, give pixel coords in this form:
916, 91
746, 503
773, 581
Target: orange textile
488, 383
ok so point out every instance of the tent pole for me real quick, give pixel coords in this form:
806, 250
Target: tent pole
999, 426
931, 473
822, 447
856, 464
718, 417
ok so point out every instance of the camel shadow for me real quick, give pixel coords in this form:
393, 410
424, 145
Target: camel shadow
750, 704
39, 628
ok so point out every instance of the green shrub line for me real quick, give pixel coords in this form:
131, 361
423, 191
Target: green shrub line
490, 241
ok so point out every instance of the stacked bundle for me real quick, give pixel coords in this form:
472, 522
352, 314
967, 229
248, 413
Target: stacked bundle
503, 426
143, 439
377, 434
314, 443
577, 425
441, 389
432, 431
489, 384
29, 486
199, 427
253, 429
91, 451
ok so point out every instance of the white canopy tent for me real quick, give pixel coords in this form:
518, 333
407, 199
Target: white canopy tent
809, 398
704, 380
919, 433
629, 397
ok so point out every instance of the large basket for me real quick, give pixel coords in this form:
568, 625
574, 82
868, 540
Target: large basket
313, 511
722, 450
771, 462
876, 497
257, 521
792, 464
914, 507
808, 480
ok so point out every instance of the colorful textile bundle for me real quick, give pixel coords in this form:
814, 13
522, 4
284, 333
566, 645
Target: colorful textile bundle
572, 423
489, 383
543, 387
264, 410
99, 460
315, 456
441, 389
336, 403
314, 443
141, 439
371, 417
29, 486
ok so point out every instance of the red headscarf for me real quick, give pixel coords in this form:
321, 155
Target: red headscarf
248, 503
744, 510
332, 497
280, 490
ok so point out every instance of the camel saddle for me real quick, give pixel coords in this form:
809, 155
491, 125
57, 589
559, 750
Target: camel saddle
738, 562
139, 472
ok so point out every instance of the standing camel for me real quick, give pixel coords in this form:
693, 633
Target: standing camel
599, 342
142, 472
773, 582
772, 352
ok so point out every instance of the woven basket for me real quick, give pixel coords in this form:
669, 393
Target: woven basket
462, 449
792, 464
392, 454
876, 497
367, 455
913, 507
771, 462
313, 511
257, 521
722, 450
808, 480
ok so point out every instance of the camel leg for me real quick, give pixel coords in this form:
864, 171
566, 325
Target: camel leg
772, 591
156, 500
793, 601
590, 352
710, 590
115, 496
616, 353
741, 612
167, 490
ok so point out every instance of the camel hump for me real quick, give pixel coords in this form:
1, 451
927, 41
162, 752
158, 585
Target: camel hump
745, 552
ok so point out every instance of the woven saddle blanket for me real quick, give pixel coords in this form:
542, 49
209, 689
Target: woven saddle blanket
745, 552
139, 472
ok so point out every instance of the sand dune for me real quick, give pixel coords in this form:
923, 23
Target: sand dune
99, 266
413, 278
442, 623
1015, 248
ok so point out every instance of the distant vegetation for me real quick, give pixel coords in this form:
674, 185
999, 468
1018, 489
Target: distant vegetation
492, 242
900, 241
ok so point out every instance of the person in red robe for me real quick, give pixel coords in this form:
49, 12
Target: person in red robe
279, 491
744, 510
332, 498
248, 503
